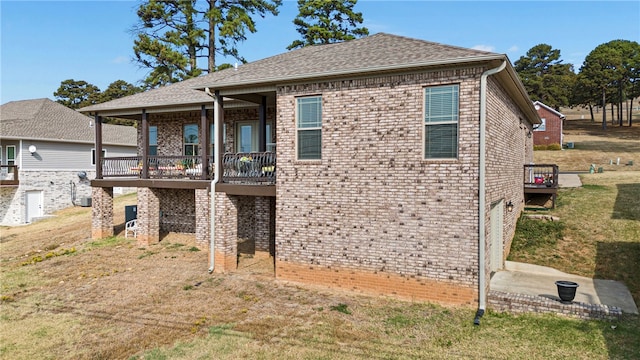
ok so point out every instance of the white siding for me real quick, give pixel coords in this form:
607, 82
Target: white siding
60, 156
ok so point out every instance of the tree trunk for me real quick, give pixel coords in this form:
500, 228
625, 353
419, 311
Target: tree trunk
630, 111
613, 117
593, 119
604, 109
212, 39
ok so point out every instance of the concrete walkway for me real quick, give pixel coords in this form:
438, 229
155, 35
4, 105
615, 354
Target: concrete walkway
521, 278
569, 180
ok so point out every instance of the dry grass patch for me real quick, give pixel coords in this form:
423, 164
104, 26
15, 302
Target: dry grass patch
593, 145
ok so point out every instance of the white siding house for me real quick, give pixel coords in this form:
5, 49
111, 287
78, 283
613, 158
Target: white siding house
47, 157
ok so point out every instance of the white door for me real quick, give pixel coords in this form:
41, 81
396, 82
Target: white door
497, 245
33, 204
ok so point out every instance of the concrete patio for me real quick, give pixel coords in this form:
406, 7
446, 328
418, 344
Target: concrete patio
537, 283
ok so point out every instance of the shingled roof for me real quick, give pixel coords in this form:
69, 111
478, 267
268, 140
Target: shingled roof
44, 119
377, 53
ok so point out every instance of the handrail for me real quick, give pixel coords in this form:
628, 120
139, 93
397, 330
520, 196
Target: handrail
253, 167
541, 175
9, 175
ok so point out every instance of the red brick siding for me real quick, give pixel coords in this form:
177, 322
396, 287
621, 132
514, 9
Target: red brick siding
553, 129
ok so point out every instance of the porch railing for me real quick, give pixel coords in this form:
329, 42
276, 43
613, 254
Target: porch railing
237, 168
254, 167
159, 167
9, 175
541, 176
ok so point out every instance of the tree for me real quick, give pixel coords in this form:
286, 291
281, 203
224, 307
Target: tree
118, 89
612, 68
326, 22
174, 35
545, 77
76, 94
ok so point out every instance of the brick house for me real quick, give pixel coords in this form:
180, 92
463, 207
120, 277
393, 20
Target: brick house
549, 132
385, 165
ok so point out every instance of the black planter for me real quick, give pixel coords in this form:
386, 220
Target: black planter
566, 290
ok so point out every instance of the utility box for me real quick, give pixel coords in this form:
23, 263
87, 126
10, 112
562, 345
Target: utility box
85, 201
130, 213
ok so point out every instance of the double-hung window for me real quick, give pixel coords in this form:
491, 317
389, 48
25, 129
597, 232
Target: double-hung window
441, 104
190, 139
11, 154
542, 126
309, 127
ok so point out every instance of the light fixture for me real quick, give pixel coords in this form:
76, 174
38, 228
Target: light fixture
509, 206
32, 149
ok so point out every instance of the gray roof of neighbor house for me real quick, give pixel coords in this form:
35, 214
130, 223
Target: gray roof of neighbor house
44, 119
377, 53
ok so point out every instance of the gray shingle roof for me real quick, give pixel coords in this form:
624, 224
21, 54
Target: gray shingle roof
380, 52
182, 93
45, 119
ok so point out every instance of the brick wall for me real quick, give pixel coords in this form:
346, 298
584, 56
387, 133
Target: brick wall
372, 209
101, 212
553, 129
508, 148
177, 210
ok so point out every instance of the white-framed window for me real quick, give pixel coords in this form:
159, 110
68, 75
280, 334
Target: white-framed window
93, 155
190, 139
309, 126
153, 140
212, 142
441, 115
11, 154
542, 126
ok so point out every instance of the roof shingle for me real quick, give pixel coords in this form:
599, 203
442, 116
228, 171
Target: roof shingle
45, 119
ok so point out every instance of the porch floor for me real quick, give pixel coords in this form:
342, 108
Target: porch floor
535, 280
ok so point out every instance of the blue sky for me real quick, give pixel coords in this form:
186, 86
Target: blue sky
46, 42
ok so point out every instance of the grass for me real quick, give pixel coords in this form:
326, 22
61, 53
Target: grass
113, 300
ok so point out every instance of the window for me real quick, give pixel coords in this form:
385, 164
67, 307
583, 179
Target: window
11, 154
190, 139
93, 155
441, 122
153, 140
542, 126
248, 135
212, 142
309, 124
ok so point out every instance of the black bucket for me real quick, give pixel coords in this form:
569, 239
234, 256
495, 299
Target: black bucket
566, 290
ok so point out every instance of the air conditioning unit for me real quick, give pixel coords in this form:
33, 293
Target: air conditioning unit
85, 201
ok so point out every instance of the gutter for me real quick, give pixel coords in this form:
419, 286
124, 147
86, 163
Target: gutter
482, 281
216, 179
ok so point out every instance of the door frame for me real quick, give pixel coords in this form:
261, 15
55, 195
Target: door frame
496, 235
28, 204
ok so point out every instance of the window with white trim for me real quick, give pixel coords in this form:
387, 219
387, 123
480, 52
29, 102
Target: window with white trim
11, 154
441, 109
542, 126
309, 128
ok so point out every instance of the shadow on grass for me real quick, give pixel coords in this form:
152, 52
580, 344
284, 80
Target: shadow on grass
620, 261
627, 206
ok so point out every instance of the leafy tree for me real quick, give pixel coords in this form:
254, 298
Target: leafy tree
545, 77
327, 21
612, 68
76, 94
174, 35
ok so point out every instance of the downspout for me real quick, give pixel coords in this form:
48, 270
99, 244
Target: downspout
482, 301
216, 178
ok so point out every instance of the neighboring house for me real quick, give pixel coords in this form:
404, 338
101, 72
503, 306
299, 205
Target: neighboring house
47, 157
549, 132
384, 164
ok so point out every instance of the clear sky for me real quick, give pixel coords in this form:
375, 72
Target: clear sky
46, 42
